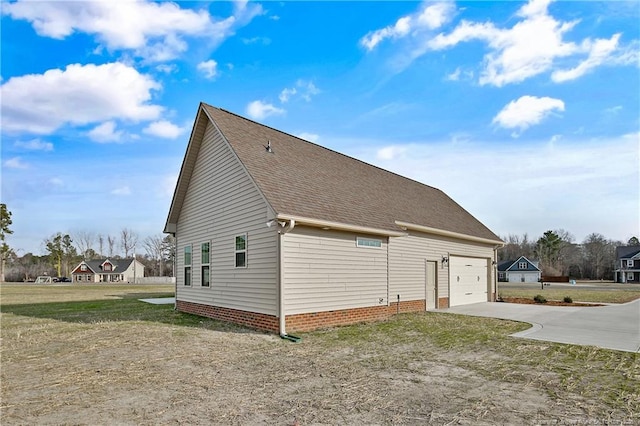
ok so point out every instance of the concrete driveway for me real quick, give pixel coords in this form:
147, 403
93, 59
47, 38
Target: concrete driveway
611, 327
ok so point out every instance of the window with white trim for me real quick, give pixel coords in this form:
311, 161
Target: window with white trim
241, 251
204, 268
522, 265
629, 263
629, 276
368, 242
187, 265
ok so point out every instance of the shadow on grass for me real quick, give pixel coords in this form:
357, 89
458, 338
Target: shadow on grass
128, 308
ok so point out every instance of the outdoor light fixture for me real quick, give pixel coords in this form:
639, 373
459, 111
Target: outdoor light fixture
445, 260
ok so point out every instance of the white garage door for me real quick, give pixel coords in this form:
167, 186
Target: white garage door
467, 280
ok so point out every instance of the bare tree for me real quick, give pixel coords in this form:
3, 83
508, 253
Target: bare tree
111, 241
128, 241
599, 256
169, 253
154, 246
84, 241
100, 245
516, 246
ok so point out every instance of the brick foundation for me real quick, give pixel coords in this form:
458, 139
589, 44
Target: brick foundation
408, 306
307, 321
443, 302
250, 319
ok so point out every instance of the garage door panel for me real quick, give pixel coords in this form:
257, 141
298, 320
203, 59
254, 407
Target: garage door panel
467, 280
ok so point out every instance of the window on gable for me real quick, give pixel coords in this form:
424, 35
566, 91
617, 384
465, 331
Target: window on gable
368, 242
107, 267
83, 267
629, 263
522, 265
187, 265
241, 251
204, 260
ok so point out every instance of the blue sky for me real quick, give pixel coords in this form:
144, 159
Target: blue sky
526, 114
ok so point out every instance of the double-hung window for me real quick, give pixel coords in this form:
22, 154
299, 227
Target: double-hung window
629, 263
205, 276
241, 251
522, 265
187, 265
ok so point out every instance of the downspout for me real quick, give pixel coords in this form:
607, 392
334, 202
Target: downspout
175, 272
281, 310
495, 272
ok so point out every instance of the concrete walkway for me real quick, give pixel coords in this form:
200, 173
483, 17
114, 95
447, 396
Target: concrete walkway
611, 327
160, 300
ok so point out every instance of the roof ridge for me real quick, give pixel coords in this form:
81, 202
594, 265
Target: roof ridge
323, 147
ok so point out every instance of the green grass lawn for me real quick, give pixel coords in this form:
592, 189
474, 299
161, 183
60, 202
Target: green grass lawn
577, 294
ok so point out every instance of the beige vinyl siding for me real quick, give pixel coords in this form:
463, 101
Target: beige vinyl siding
221, 203
407, 256
324, 270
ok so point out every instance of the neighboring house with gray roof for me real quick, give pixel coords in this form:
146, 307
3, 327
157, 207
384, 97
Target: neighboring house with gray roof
521, 270
282, 234
108, 271
627, 269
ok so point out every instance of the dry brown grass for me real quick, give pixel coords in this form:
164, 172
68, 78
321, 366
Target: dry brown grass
119, 361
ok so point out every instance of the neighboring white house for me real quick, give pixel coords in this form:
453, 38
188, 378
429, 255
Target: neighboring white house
281, 234
108, 271
521, 270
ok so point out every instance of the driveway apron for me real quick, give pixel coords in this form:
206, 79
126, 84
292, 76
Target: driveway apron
611, 327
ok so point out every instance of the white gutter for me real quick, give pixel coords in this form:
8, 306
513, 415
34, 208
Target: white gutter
317, 223
281, 311
442, 232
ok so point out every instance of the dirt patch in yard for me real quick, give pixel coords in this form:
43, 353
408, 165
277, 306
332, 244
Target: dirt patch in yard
127, 362
174, 376
547, 303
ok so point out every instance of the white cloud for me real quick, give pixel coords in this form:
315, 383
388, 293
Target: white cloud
34, 145
167, 68
15, 163
531, 47
57, 182
105, 132
152, 30
542, 194
77, 95
390, 152
123, 190
312, 137
527, 111
169, 185
599, 52
163, 129
259, 110
286, 94
208, 68
257, 40
303, 89
431, 16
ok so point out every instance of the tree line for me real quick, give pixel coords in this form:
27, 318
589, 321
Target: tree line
556, 251
64, 251
559, 255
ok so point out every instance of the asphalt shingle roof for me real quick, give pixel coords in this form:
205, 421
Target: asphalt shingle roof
119, 265
300, 178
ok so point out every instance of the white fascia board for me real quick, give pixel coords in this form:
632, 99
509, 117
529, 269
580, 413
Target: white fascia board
451, 234
317, 223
